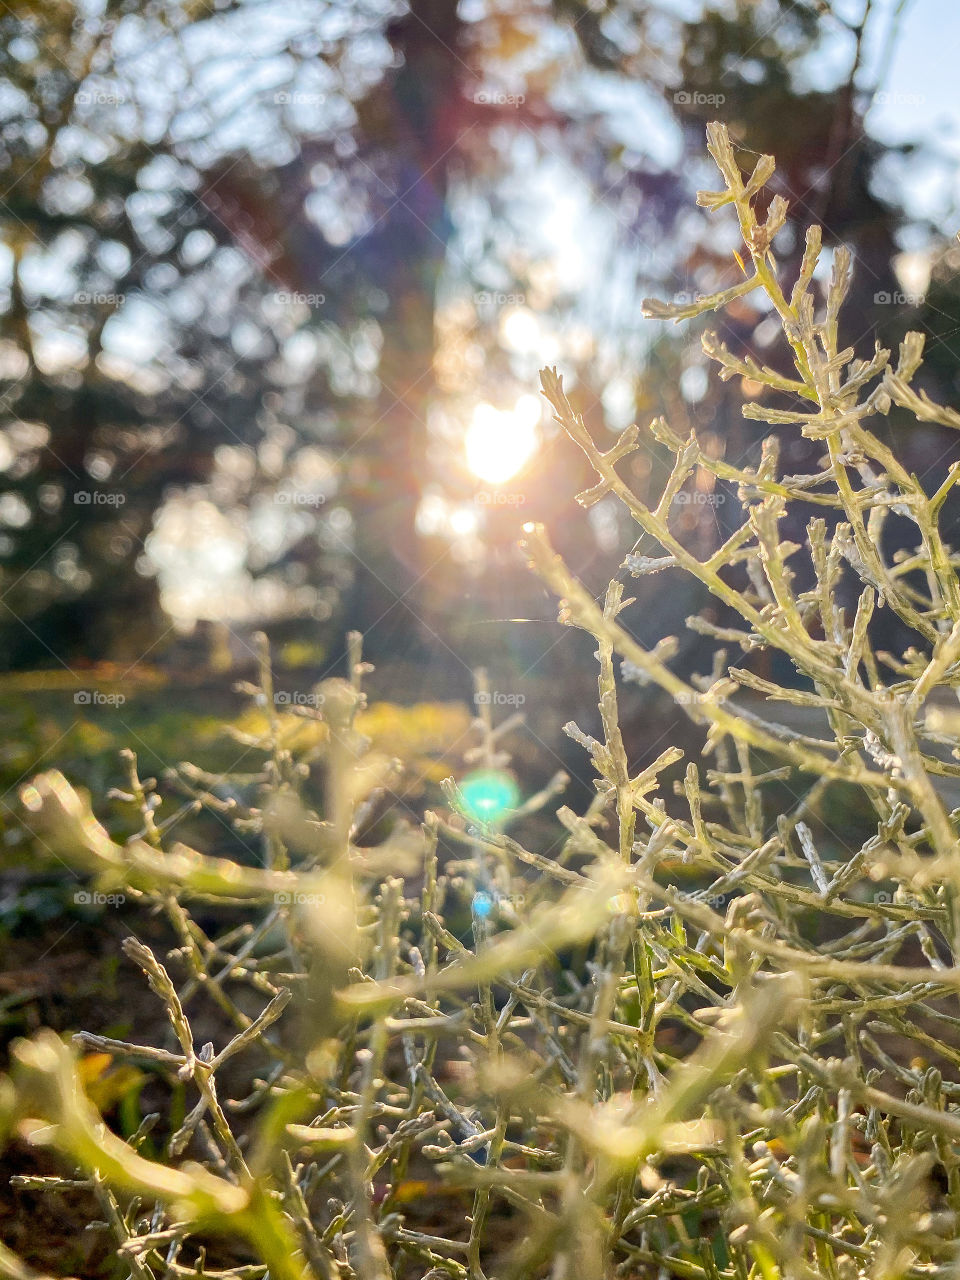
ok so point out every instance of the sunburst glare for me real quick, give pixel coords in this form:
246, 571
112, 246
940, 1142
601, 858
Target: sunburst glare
499, 443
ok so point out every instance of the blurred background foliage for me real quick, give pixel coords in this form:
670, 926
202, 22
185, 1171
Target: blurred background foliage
274, 283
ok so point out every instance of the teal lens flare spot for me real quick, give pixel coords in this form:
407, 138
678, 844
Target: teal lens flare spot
482, 905
489, 794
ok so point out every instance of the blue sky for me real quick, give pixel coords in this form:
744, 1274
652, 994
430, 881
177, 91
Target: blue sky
920, 100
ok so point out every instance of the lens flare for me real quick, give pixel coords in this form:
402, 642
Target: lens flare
489, 794
499, 443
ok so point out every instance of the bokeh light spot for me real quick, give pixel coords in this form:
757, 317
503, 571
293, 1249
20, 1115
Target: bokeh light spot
482, 905
489, 794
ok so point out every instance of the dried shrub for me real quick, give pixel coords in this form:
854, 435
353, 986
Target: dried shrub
624, 1076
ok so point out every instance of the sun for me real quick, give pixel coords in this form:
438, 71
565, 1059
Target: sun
499, 442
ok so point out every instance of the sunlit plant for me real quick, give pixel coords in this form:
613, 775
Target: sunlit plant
579, 1067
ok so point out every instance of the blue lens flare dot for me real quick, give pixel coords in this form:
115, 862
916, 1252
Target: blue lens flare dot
489, 794
482, 905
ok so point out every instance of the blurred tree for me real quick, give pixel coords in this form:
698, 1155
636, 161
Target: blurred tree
142, 334
232, 238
